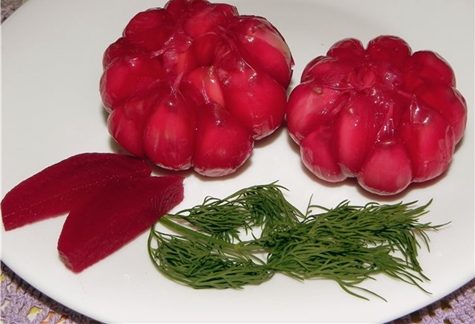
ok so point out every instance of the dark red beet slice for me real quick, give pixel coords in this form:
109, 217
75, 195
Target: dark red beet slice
54, 190
115, 215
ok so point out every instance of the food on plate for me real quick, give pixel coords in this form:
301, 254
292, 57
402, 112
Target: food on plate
59, 187
115, 215
255, 233
194, 84
383, 114
111, 199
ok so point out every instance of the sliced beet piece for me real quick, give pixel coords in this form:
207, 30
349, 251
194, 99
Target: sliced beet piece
56, 189
115, 215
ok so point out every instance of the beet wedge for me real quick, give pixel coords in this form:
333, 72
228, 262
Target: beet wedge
114, 216
56, 189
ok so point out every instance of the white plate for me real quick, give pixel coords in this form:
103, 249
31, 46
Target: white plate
52, 54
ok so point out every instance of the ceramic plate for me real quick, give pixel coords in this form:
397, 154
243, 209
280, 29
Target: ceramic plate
52, 53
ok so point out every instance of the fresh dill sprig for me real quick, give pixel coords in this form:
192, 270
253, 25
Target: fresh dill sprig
347, 244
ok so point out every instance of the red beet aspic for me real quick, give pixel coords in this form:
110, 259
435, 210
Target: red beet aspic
114, 216
381, 114
59, 187
194, 84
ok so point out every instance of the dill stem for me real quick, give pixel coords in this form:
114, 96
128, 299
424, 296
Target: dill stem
239, 248
165, 220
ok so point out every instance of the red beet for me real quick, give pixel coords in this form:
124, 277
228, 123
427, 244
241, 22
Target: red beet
56, 189
115, 215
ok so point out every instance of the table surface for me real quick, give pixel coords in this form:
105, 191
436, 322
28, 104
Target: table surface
21, 303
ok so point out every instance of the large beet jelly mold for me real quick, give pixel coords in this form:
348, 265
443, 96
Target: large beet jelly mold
194, 84
381, 114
